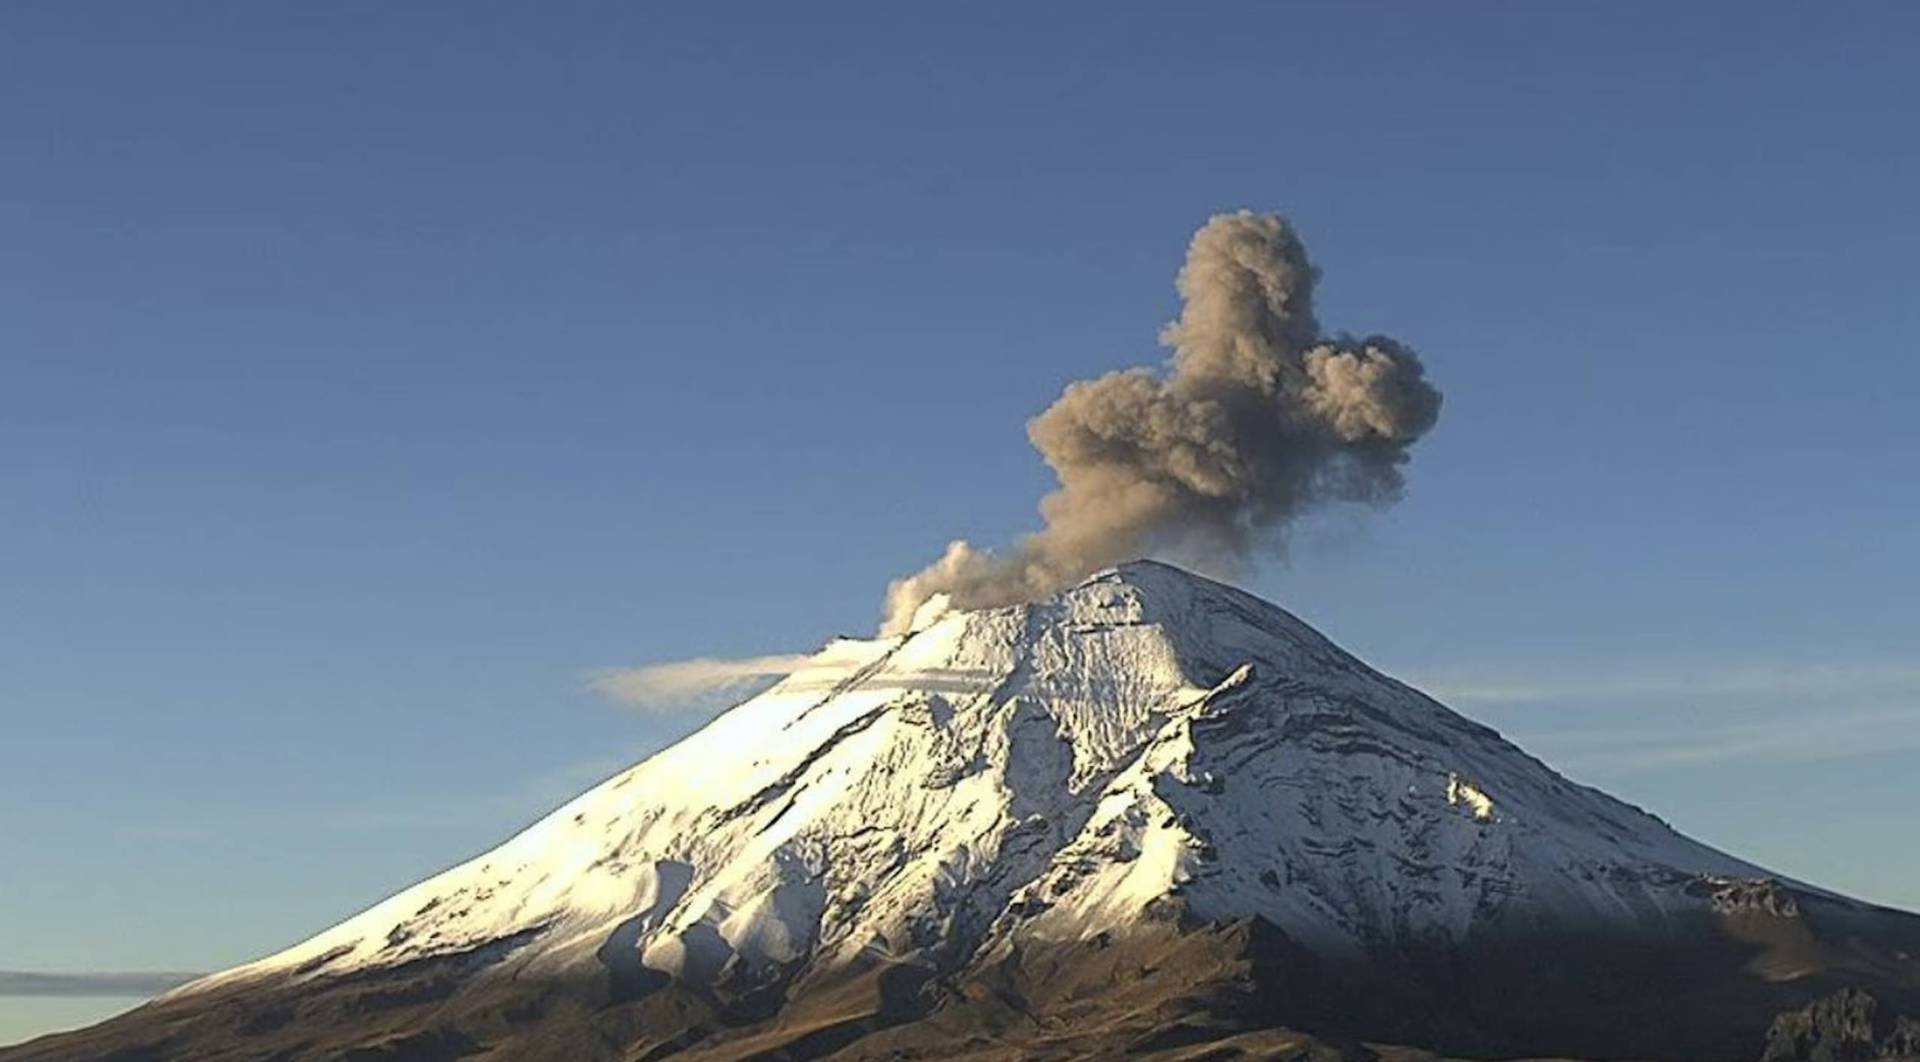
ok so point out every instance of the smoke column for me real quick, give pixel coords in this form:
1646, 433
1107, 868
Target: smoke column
1259, 419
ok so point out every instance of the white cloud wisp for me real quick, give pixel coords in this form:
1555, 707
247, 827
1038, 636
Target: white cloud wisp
702, 683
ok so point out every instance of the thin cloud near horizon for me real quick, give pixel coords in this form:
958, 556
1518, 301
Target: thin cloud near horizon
1668, 681
1804, 738
18, 983
1717, 713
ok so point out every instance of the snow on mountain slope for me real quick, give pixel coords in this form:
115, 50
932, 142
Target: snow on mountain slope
1147, 740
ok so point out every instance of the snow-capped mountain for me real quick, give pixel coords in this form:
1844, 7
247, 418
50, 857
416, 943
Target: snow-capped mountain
1050, 769
927, 830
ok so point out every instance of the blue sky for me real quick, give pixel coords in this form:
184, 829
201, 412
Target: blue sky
373, 373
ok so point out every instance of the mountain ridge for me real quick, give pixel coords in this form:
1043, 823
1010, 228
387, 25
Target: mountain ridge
918, 825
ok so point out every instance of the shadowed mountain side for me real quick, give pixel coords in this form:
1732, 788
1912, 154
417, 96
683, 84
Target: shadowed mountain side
1172, 988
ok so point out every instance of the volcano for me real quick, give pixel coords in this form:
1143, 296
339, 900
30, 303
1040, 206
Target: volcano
1151, 816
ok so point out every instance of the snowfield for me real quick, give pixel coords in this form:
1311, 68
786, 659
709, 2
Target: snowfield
1146, 741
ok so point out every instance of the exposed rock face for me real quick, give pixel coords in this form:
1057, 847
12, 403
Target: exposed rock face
1848, 1026
1150, 814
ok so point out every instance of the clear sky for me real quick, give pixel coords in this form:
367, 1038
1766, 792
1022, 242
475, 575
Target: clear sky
371, 373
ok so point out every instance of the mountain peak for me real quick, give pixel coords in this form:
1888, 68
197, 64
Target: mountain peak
1144, 752
1052, 768
1139, 576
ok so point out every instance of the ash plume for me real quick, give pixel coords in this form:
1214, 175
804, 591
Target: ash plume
1259, 418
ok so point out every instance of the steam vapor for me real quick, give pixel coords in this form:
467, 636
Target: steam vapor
1259, 419
688, 684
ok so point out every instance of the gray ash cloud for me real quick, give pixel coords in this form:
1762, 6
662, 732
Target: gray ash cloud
1259, 418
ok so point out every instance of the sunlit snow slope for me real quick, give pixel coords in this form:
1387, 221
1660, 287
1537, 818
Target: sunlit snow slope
1145, 739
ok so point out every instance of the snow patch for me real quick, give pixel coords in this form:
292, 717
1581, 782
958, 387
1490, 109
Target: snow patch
1462, 792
